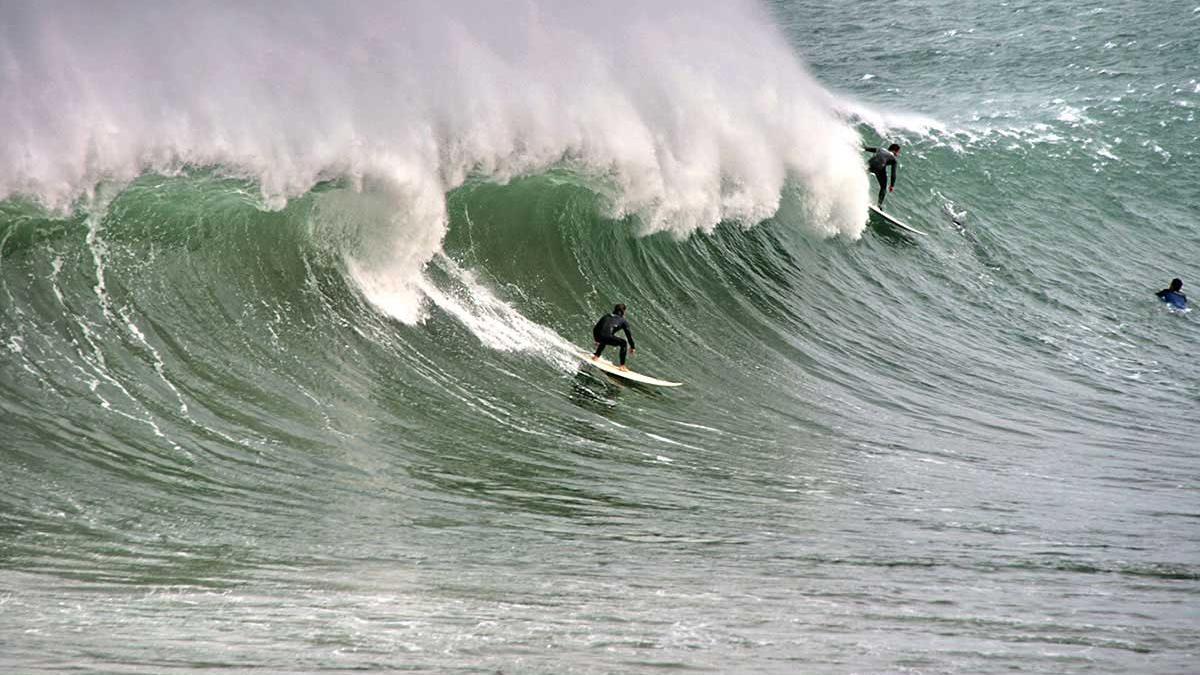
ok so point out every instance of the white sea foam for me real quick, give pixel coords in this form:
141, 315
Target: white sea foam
889, 121
661, 99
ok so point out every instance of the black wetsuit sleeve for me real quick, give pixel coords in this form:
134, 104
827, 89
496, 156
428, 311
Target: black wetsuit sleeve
1163, 292
866, 149
895, 168
629, 334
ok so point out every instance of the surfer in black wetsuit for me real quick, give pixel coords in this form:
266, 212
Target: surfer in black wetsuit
1173, 295
878, 165
604, 333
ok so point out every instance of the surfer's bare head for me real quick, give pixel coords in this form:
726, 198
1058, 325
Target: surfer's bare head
619, 309
1176, 285
894, 148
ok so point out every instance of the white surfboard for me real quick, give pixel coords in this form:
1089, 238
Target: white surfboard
896, 221
613, 369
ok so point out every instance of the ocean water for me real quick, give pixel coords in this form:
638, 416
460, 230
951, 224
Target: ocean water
289, 296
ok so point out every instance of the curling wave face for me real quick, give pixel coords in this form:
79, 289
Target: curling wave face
415, 97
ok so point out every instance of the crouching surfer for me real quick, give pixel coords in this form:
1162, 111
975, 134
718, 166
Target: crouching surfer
604, 333
878, 164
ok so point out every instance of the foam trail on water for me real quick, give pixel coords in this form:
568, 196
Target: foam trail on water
661, 101
889, 121
497, 324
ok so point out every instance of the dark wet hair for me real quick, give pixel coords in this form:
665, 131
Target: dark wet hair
1176, 284
619, 309
893, 147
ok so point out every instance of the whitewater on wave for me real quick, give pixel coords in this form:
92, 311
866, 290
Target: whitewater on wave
665, 107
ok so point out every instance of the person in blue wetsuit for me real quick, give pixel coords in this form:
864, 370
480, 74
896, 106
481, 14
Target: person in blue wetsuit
1172, 295
878, 165
604, 333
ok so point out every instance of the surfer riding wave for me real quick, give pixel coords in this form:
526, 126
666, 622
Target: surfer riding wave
878, 164
604, 333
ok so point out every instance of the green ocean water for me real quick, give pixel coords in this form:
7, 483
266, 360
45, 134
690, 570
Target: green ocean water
288, 299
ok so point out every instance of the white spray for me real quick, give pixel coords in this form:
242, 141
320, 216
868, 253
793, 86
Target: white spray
696, 110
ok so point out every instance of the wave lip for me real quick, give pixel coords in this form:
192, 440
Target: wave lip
690, 129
